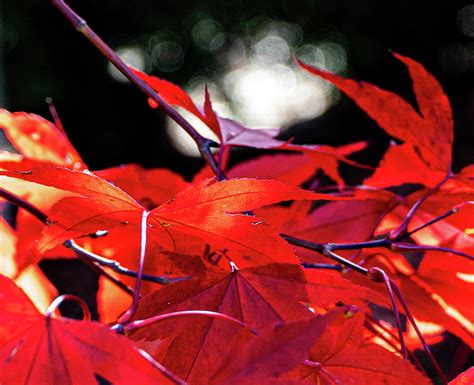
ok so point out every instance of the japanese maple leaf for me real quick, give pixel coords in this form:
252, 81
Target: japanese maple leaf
465, 378
229, 132
342, 356
427, 134
265, 357
149, 187
293, 168
258, 296
44, 350
38, 139
208, 211
327, 158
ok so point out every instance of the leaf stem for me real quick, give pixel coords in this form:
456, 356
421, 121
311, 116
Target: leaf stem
161, 317
86, 315
161, 368
127, 316
115, 266
418, 332
378, 275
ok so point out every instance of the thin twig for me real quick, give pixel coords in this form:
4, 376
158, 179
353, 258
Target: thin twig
54, 115
321, 248
322, 266
447, 214
81, 26
319, 368
101, 271
115, 266
19, 202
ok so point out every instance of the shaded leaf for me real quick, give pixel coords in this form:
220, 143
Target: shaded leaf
342, 356
258, 296
43, 350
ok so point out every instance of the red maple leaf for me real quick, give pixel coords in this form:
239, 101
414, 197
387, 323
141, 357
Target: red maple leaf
38, 139
342, 356
258, 296
45, 350
427, 135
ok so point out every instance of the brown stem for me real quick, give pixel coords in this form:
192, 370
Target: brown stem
81, 25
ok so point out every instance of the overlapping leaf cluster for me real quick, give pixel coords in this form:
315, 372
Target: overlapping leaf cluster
250, 307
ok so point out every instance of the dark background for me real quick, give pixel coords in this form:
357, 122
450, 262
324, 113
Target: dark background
110, 122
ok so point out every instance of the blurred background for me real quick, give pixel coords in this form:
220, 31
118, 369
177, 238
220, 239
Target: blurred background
244, 51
